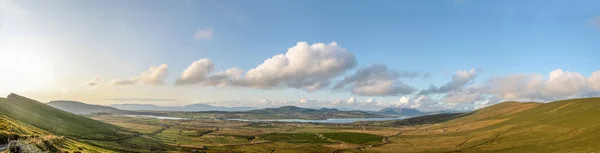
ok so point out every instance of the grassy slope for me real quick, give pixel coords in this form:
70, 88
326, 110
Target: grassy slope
562, 126
78, 128
60, 122
14, 129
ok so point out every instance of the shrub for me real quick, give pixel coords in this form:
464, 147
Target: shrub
20, 146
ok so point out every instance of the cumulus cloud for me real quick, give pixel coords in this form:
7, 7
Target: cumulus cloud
377, 80
225, 78
594, 81
94, 82
559, 85
370, 100
155, 75
204, 34
459, 80
464, 96
197, 72
406, 102
304, 66
351, 101
564, 83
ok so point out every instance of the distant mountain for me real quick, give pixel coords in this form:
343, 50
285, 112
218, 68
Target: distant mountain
187, 108
293, 112
329, 109
401, 112
76, 107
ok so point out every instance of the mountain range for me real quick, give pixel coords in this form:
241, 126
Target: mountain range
401, 112
187, 108
76, 107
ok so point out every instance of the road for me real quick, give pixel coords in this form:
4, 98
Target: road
3, 147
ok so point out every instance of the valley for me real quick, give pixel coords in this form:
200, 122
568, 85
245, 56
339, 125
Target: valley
563, 126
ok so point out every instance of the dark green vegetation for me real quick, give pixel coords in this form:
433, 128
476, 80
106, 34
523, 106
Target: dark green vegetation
285, 112
76, 107
293, 137
355, 138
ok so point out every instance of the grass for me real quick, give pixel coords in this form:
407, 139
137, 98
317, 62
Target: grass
562, 126
293, 138
355, 138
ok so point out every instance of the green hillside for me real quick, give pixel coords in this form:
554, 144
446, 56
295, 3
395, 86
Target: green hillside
57, 121
47, 119
561, 126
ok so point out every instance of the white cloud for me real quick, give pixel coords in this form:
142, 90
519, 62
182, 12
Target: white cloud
459, 80
153, 76
377, 80
304, 66
197, 72
204, 34
225, 78
351, 101
370, 100
594, 81
94, 82
470, 95
404, 100
564, 83
559, 85
303, 100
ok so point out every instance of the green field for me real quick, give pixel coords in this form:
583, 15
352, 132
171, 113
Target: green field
355, 138
293, 138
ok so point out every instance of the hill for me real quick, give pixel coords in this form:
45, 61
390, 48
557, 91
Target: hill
187, 108
561, 126
54, 121
401, 112
76, 107
293, 112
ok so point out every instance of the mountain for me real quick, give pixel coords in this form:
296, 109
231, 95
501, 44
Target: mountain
293, 112
76, 107
401, 112
44, 121
187, 108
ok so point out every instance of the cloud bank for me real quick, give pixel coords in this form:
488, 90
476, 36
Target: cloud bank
306, 67
320, 66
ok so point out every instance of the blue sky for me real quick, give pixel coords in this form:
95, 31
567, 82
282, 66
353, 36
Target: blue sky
112, 40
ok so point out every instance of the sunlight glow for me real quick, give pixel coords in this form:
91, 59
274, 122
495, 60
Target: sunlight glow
24, 66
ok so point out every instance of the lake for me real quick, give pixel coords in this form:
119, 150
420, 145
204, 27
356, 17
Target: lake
158, 117
332, 120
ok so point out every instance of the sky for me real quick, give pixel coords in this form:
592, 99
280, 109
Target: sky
429, 55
